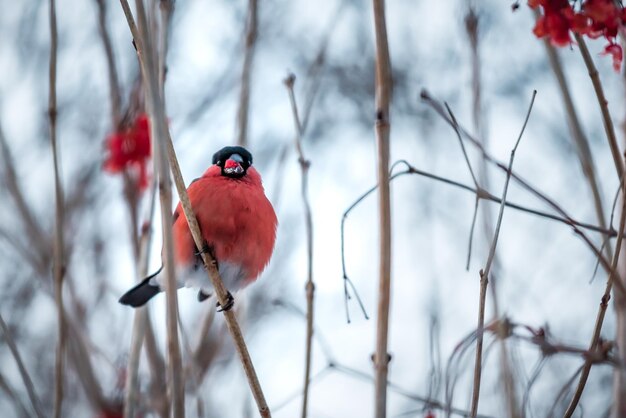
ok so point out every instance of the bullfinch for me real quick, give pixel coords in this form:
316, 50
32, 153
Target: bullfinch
238, 225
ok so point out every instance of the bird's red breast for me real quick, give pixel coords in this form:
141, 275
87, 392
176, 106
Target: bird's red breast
235, 217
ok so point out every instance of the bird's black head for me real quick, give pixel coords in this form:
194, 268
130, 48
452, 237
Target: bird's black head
233, 161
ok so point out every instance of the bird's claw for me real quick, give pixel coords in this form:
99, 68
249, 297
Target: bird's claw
206, 249
230, 302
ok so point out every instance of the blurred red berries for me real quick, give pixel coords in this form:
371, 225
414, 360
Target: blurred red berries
129, 151
593, 18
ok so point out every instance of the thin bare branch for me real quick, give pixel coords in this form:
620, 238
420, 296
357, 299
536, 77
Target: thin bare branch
308, 219
603, 103
606, 265
383, 98
20, 408
58, 247
484, 274
432, 403
604, 303
149, 59
482, 194
10, 178
246, 73
471, 234
140, 320
28, 382
455, 126
579, 137
114, 84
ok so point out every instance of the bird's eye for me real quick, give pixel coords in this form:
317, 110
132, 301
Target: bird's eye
249, 162
219, 162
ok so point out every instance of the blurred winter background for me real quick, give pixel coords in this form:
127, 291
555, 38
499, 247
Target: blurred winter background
545, 272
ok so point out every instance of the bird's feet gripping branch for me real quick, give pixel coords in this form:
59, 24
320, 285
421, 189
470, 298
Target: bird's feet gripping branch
238, 227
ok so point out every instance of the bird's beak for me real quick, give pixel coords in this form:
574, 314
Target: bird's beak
233, 165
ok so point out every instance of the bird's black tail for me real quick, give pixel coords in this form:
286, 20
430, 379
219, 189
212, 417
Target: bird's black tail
140, 294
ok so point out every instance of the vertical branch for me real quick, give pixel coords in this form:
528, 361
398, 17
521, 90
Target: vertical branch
58, 250
140, 320
166, 7
604, 303
28, 382
484, 273
383, 98
619, 384
580, 140
472, 25
310, 285
161, 135
246, 73
606, 116
114, 84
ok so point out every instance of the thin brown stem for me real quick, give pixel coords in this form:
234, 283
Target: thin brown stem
20, 408
166, 7
114, 84
58, 247
35, 234
604, 303
603, 103
140, 320
580, 139
382, 127
148, 61
246, 73
28, 382
484, 274
606, 265
161, 136
308, 219
472, 27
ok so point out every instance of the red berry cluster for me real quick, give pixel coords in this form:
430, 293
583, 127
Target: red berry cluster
593, 18
129, 150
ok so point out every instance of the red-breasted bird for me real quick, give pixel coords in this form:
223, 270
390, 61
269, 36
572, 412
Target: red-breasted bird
237, 222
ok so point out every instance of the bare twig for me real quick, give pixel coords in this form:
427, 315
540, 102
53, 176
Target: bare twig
308, 219
148, 61
564, 390
619, 166
166, 7
472, 27
28, 382
140, 320
482, 194
383, 98
114, 84
606, 116
455, 126
604, 303
432, 403
161, 135
312, 83
333, 365
484, 274
246, 73
58, 247
579, 137
606, 265
33, 229
20, 408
